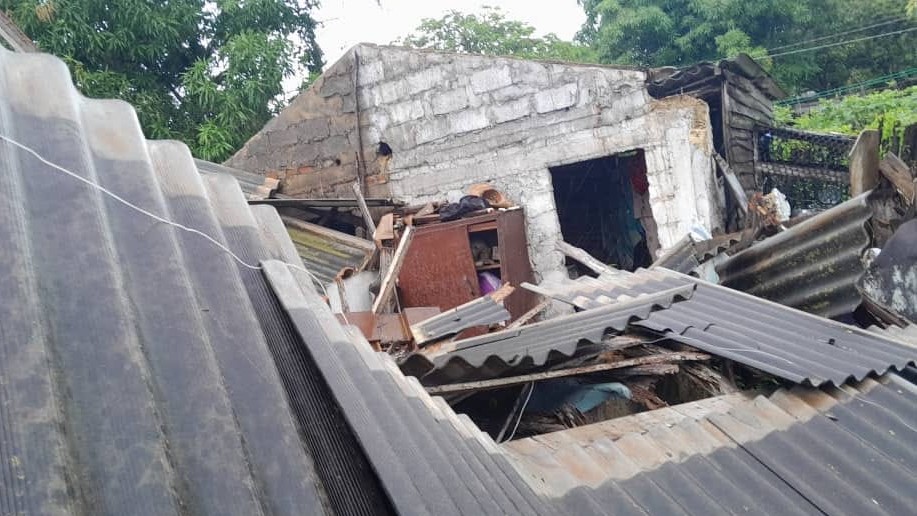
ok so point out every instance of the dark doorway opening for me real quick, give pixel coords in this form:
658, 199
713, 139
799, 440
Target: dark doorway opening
603, 207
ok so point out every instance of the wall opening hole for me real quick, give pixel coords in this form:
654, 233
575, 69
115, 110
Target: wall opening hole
603, 207
384, 149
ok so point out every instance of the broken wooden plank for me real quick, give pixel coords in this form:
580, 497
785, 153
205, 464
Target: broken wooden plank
732, 181
649, 370
584, 258
498, 383
899, 174
864, 163
391, 276
364, 209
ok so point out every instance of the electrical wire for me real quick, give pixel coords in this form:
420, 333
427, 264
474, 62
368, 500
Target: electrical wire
154, 216
840, 43
521, 412
852, 31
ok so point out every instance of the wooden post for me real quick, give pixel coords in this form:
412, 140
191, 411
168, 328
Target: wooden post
391, 276
864, 163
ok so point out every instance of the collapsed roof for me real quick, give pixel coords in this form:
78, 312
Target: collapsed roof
163, 351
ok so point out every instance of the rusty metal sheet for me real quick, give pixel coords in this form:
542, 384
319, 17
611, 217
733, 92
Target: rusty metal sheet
438, 269
387, 329
326, 252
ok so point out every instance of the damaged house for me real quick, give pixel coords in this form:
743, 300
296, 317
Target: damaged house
585, 150
168, 345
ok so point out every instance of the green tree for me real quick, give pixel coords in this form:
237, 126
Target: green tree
491, 33
683, 32
208, 73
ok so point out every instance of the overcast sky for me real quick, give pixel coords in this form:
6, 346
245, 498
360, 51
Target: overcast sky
348, 22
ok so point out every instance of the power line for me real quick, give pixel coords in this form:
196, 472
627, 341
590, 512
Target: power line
839, 43
822, 38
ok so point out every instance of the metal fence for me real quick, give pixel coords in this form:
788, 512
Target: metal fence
811, 169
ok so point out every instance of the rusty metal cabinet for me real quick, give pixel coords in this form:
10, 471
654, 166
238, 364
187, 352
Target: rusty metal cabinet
439, 268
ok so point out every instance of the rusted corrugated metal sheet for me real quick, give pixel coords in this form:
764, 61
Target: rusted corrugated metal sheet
663, 82
799, 451
813, 266
327, 252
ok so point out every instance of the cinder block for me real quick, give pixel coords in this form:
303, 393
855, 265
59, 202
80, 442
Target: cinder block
468, 120
512, 110
556, 98
449, 101
491, 79
404, 111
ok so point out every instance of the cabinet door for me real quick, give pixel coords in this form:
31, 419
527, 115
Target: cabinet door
514, 259
438, 269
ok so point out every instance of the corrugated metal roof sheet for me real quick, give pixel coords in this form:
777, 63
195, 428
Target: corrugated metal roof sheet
431, 461
499, 353
136, 378
254, 186
146, 370
813, 266
483, 311
672, 81
782, 341
327, 252
800, 451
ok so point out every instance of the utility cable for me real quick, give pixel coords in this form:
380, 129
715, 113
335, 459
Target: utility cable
839, 43
154, 216
852, 31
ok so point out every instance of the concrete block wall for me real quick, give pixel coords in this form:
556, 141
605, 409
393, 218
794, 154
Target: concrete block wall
455, 120
311, 146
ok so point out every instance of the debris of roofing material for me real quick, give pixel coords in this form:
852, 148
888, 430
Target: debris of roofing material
255, 186
519, 349
149, 369
484, 311
326, 252
890, 281
691, 252
388, 332
670, 81
813, 266
447, 466
798, 451
757, 333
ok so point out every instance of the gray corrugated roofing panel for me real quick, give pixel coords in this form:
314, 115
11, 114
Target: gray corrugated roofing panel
785, 342
255, 187
801, 451
135, 376
498, 353
672, 81
483, 311
423, 461
813, 266
326, 252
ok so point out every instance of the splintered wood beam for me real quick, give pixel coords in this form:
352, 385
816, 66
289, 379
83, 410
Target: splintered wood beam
499, 383
900, 175
367, 216
585, 258
387, 289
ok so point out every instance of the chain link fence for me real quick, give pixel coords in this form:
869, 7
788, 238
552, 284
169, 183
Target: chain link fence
811, 169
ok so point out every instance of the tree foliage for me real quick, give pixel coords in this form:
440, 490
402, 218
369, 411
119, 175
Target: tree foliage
208, 73
489, 32
683, 32
891, 110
